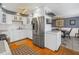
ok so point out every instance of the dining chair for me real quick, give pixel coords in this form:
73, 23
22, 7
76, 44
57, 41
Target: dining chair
67, 33
77, 34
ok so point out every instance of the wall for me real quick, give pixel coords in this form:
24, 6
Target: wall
67, 22
68, 26
75, 27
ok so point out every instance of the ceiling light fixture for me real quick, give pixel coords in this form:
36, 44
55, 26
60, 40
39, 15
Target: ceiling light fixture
22, 10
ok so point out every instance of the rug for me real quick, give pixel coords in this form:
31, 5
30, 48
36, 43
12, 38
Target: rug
23, 50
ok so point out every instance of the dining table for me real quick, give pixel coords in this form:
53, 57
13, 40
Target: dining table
63, 31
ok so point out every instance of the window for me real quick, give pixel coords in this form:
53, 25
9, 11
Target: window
4, 18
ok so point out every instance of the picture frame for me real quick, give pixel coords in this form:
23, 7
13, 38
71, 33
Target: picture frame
72, 22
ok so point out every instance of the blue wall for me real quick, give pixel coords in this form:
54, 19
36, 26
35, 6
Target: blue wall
67, 22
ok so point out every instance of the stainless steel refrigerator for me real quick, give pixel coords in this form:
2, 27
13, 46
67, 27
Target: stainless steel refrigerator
38, 28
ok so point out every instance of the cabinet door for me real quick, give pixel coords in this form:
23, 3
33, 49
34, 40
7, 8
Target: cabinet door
29, 33
58, 39
9, 18
50, 41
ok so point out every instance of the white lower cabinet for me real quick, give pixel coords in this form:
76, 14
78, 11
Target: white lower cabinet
53, 40
29, 34
19, 34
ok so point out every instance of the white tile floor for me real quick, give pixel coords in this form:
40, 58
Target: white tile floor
72, 43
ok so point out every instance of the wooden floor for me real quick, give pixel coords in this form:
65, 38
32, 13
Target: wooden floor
42, 51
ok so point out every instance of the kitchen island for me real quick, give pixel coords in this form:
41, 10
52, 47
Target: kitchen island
53, 39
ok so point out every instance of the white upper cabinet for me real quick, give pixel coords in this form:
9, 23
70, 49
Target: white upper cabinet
26, 20
0, 15
9, 18
5, 18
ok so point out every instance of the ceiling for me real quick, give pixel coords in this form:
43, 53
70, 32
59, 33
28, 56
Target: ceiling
60, 9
